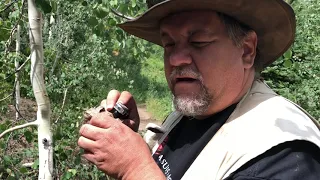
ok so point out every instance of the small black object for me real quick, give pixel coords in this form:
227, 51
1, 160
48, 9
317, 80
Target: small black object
120, 111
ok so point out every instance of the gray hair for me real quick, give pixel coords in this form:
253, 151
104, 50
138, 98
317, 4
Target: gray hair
237, 31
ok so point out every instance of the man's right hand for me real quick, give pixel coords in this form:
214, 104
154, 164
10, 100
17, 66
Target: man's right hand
114, 147
126, 99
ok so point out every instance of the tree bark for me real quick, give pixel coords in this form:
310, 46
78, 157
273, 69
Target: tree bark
43, 103
17, 65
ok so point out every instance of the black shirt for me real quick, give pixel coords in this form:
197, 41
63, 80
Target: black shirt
297, 160
184, 143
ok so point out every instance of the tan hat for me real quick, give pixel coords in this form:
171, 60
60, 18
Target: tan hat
272, 20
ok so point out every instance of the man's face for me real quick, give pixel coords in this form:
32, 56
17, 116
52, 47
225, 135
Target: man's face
203, 66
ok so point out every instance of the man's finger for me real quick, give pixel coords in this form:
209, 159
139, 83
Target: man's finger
103, 120
90, 131
103, 103
129, 122
125, 98
112, 98
87, 144
89, 156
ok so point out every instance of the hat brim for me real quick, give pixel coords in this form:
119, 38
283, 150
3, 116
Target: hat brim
272, 20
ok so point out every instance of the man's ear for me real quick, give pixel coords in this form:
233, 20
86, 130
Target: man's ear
249, 46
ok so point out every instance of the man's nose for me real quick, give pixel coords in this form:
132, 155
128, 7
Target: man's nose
180, 56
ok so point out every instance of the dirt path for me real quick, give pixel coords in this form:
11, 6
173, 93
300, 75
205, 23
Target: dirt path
145, 117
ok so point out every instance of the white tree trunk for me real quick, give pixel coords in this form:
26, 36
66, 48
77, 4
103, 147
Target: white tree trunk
17, 65
51, 24
37, 80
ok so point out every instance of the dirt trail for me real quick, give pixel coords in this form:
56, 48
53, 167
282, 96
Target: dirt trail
145, 117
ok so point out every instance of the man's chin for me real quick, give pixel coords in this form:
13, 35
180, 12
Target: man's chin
190, 106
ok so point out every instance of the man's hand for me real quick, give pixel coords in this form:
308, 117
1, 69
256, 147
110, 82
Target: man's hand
125, 98
114, 147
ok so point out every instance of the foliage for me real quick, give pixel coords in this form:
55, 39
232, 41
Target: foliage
296, 75
159, 101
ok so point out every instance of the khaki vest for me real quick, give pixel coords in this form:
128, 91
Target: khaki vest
261, 120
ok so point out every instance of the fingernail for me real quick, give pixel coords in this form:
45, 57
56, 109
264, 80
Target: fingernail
109, 107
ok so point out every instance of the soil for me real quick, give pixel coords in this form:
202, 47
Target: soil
28, 110
145, 117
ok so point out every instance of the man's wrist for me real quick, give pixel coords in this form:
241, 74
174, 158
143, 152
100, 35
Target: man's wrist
145, 171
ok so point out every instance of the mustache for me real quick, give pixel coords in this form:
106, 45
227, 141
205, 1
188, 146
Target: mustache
185, 71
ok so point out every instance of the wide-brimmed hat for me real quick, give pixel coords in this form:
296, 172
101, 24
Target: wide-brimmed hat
272, 20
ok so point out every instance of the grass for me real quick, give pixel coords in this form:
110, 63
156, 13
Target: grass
158, 98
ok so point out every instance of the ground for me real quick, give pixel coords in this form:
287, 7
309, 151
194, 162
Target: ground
145, 117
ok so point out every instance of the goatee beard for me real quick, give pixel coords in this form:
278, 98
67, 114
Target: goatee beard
195, 104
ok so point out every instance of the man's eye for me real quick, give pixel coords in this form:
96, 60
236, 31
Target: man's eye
169, 45
199, 44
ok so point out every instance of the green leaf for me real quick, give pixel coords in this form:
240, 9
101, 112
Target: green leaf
288, 63
123, 8
287, 54
67, 175
4, 34
135, 52
14, 14
28, 135
101, 12
77, 160
2, 145
112, 22
134, 3
84, 3
93, 21
54, 6
9, 171
44, 5
100, 78
35, 165
3, 126
23, 170
7, 158
73, 171
114, 2
28, 153
99, 29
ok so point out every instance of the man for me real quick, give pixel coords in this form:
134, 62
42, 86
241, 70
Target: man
228, 124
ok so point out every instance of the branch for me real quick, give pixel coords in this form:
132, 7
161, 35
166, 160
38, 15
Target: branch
63, 102
5, 97
8, 6
33, 123
15, 105
121, 15
23, 64
7, 44
27, 165
19, 69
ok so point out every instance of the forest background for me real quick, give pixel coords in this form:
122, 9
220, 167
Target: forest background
86, 55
